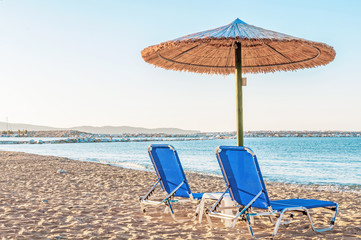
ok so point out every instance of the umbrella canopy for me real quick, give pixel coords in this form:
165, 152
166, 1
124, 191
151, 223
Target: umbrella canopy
238, 48
263, 51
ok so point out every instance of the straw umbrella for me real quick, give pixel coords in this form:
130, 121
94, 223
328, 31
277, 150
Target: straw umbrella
238, 48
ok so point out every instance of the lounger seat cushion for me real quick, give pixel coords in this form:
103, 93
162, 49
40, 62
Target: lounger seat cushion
279, 205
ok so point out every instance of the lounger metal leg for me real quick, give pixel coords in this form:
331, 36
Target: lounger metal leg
249, 226
170, 208
166, 209
279, 221
235, 220
251, 218
332, 223
209, 219
141, 205
197, 211
271, 220
171, 211
201, 210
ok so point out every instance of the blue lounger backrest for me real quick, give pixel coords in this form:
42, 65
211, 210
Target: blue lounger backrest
169, 169
242, 174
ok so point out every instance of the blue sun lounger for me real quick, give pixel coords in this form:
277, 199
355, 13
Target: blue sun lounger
172, 180
246, 187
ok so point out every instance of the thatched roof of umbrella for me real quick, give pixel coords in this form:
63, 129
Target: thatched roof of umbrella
263, 51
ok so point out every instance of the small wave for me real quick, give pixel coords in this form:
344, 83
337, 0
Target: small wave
129, 165
207, 174
116, 163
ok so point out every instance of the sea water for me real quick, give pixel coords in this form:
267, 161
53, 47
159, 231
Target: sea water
323, 161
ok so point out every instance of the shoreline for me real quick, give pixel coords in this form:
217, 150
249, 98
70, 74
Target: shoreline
355, 188
46, 197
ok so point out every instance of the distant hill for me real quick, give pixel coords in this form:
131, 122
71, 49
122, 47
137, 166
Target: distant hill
127, 129
100, 130
22, 126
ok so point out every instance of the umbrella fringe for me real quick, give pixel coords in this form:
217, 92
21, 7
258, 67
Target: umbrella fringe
213, 55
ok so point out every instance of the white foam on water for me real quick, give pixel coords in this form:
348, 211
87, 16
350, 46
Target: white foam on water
129, 165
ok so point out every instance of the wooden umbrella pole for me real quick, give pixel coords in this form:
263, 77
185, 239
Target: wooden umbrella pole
238, 72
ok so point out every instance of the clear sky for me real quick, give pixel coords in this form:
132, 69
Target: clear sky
67, 63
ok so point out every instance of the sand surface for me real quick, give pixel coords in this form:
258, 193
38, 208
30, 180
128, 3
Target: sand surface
97, 201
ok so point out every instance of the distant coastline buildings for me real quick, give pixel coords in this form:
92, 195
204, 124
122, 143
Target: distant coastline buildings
205, 135
230, 135
302, 134
73, 136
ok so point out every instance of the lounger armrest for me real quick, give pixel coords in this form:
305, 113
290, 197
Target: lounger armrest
149, 193
248, 205
218, 201
173, 192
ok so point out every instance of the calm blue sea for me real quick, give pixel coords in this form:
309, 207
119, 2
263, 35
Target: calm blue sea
324, 161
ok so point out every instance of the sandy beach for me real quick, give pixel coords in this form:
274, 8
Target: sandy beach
43, 197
